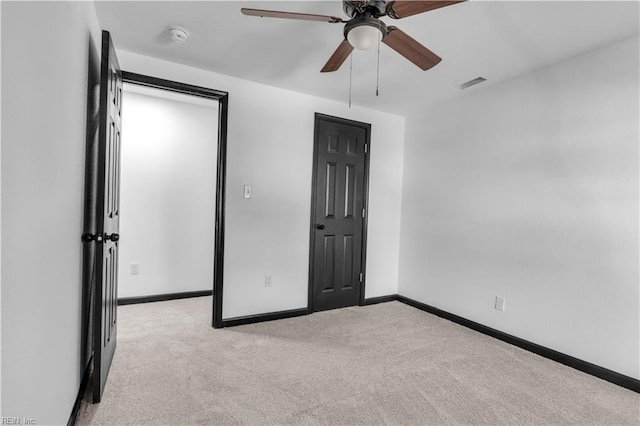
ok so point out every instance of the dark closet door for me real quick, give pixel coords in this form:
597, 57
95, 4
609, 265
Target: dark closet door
339, 212
106, 170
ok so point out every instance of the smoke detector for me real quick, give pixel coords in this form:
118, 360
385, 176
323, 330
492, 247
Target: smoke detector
178, 34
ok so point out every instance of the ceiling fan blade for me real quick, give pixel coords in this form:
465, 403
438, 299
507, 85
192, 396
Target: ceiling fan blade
339, 56
290, 15
403, 8
399, 41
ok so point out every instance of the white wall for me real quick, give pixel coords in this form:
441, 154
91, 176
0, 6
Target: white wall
168, 192
45, 62
270, 146
529, 190
0, 218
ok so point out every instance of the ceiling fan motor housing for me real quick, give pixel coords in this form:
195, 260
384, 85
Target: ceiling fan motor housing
376, 8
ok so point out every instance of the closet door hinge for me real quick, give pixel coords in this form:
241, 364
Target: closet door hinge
366, 148
361, 276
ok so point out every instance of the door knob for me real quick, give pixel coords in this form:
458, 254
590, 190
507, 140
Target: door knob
320, 226
112, 237
87, 237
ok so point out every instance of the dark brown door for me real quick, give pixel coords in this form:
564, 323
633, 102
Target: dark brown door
338, 215
106, 171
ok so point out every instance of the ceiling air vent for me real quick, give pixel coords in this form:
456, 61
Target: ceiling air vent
472, 83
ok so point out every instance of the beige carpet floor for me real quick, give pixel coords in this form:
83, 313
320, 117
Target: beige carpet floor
380, 364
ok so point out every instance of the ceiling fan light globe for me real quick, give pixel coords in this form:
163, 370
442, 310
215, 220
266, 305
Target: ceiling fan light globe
363, 37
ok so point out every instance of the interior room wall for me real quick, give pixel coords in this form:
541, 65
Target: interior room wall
168, 192
528, 190
270, 146
0, 223
46, 50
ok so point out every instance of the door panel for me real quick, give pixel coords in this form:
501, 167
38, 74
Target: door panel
348, 254
350, 188
330, 191
328, 254
337, 217
106, 237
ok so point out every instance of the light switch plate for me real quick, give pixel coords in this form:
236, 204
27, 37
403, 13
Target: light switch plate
500, 303
248, 191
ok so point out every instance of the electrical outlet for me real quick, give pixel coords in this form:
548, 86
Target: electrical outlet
267, 280
500, 303
134, 268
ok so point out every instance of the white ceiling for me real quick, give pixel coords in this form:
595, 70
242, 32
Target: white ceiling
497, 40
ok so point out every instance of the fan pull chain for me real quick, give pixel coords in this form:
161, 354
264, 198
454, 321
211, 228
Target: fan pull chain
350, 76
378, 67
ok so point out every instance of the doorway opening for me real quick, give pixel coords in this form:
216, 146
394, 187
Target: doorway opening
173, 174
168, 178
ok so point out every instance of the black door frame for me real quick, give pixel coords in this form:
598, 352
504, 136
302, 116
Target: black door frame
223, 111
365, 203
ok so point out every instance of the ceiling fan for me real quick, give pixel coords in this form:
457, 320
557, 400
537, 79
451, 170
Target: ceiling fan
365, 29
